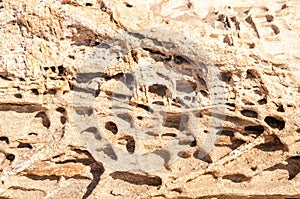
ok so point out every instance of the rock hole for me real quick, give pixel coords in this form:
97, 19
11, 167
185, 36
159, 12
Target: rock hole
25, 145
230, 104
257, 130
128, 5
18, 95
53, 69
94, 131
293, 167
274, 145
137, 179
61, 110
262, 101
204, 93
4, 139
249, 113
10, 157
63, 119
158, 56
139, 117
130, 145
88, 4
275, 123
206, 158
183, 154
51, 91
280, 108
158, 89
236, 178
61, 70
179, 60
35, 91
45, 120
225, 77
145, 107
269, 18
251, 45
275, 29
284, 6
250, 74
112, 127
126, 117
169, 135
32, 133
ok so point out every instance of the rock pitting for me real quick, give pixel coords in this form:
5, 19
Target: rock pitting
155, 99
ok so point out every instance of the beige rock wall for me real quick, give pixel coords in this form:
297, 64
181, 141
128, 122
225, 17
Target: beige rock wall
149, 99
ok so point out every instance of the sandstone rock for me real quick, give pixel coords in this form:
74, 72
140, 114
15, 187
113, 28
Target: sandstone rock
149, 99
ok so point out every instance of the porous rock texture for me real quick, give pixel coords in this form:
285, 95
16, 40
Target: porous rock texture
149, 99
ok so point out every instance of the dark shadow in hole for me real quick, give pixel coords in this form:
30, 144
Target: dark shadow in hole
61, 70
18, 95
234, 143
130, 145
274, 145
24, 145
21, 108
169, 135
159, 56
35, 91
61, 110
158, 89
250, 74
137, 179
206, 158
109, 151
94, 131
97, 170
275, 123
262, 101
112, 127
236, 178
225, 77
45, 120
10, 157
164, 154
145, 107
63, 119
43, 177
280, 109
257, 130
88, 4
293, 167
249, 113
4, 139
126, 117
128, 5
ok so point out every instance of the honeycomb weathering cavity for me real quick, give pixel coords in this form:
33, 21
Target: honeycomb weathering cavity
153, 105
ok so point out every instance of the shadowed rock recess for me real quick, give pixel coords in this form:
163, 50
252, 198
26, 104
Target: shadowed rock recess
149, 99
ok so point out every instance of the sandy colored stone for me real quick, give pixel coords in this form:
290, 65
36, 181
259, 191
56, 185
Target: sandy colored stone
65, 62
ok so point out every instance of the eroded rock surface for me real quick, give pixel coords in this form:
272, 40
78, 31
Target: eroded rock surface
149, 99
